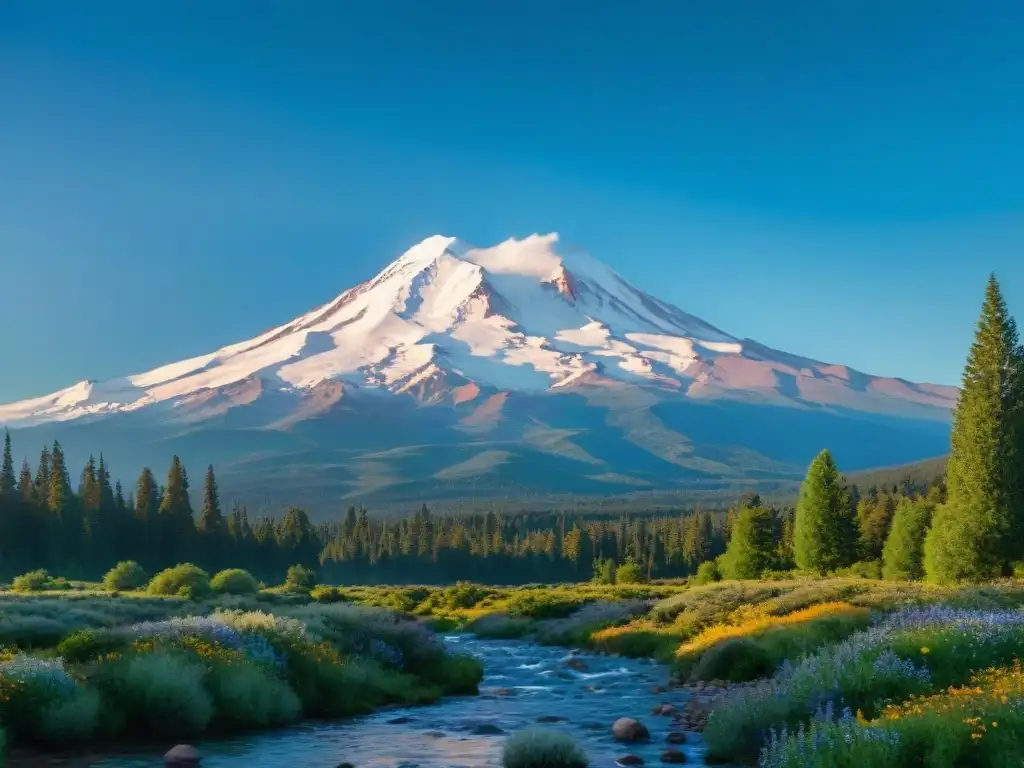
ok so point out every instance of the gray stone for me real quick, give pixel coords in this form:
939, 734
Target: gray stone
628, 729
182, 756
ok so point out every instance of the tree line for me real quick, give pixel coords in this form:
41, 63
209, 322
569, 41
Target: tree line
970, 530
977, 509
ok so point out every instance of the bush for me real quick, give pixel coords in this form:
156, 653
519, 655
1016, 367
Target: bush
540, 748
545, 605
457, 675
185, 580
325, 594
737, 660
235, 581
300, 578
499, 626
707, 573
85, 645
125, 576
629, 573
33, 581
245, 696
865, 569
71, 720
156, 694
41, 703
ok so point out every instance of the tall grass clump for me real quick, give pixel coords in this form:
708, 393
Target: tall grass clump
540, 748
41, 703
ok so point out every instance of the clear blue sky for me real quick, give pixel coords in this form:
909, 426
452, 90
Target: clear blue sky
833, 179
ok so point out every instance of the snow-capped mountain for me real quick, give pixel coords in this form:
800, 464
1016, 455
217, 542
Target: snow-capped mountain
490, 337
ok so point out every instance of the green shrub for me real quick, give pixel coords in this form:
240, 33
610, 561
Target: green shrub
629, 573
33, 581
71, 720
604, 571
300, 578
541, 748
325, 594
86, 644
865, 569
456, 675
903, 555
500, 626
156, 694
545, 605
185, 580
737, 659
234, 581
246, 696
707, 573
125, 577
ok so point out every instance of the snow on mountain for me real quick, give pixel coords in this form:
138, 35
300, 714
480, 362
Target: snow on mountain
524, 316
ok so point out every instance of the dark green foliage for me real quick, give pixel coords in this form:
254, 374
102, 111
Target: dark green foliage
86, 645
125, 576
707, 573
234, 581
629, 573
825, 533
977, 532
604, 571
185, 580
300, 577
752, 547
903, 557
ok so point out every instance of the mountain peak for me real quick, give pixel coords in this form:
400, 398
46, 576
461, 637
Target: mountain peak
525, 315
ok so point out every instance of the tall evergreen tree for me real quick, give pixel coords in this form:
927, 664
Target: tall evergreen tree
175, 514
977, 533
26, 487
7, 478
751, 549
211, 520
903, 556
825, 534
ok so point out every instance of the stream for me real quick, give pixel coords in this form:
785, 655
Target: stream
523, 683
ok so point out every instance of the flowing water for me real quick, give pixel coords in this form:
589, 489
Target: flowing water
525, 685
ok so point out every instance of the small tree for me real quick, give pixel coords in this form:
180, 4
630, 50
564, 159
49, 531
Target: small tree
903, 556
33, 581
751, 548
825, 536
707, 573
629, 573
300, 578
125, 576
604, 571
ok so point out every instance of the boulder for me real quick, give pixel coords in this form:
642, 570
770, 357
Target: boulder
629, 760
665, 710
628, 729
182, 756
673, 757
676, 737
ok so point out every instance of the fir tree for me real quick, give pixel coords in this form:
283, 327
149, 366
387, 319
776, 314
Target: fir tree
903, 556
825, 530
751, 549
7, 479
977, 532
59, 493
211, 521
26, 487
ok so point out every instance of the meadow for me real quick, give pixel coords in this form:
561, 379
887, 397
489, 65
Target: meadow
81, 663
835, 671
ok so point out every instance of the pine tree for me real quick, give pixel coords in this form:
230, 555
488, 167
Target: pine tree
825, 535
26, 487
7, 479
977, 533
903, 556
211, 521
175, 515
59, 494
42, 479
751, 549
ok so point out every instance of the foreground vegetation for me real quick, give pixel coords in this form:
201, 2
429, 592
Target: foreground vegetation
90, 666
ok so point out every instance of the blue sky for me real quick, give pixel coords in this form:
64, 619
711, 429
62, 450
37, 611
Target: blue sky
178, 176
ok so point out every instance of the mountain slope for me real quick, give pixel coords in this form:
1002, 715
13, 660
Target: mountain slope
526, 366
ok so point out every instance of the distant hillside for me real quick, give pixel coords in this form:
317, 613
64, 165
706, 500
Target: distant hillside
919, 474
